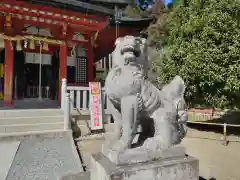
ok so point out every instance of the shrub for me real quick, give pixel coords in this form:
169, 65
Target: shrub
202, 39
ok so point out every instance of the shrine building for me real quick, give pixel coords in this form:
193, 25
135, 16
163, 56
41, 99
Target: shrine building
44, 41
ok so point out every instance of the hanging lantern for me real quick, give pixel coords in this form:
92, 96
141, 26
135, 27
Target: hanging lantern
19, 46
73, 51
32, 44
45, 46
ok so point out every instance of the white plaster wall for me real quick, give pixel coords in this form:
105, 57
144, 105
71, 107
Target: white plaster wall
78, 36
39, 32
71, 61
34, 58
81, 52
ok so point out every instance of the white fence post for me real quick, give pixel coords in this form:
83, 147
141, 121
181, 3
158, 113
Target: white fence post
67, 119
63, 92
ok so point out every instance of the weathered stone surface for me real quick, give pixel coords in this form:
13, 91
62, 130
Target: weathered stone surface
182, 168
139, 154
78, 176
7, 154
134, 101
42, 158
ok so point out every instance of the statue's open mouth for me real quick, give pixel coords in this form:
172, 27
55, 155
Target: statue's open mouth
131, 50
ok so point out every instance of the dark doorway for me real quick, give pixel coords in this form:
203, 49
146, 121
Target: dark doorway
19, 78
54, 81
1, 73
26, 77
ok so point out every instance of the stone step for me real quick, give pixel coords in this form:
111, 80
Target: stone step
30, 112
14, 128
19, 136
21, 120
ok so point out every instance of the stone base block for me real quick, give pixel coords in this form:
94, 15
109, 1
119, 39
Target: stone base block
140, 154
182, 168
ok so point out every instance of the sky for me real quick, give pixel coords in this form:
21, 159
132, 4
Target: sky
146, 4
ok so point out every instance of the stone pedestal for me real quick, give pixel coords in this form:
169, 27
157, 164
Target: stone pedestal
140, 154
178, 168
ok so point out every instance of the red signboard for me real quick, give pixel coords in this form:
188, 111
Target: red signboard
96, 110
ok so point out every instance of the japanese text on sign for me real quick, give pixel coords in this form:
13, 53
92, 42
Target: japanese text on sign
96, 106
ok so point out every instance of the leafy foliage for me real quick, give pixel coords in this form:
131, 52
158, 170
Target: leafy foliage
132, 11
157, 31
202, 40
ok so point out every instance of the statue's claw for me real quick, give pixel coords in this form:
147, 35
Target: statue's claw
119, 146
155, 144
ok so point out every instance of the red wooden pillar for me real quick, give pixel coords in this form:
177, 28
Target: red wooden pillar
90, 58
62, 67
8, 73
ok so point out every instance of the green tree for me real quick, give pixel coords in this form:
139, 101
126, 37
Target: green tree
202, 45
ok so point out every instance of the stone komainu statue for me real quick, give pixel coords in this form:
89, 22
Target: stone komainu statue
134, 101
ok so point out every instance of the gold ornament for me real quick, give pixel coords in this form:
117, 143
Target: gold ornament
19, 46
45, 46
32, 44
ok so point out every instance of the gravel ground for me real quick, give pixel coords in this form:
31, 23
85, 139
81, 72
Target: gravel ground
216, 161
43, 159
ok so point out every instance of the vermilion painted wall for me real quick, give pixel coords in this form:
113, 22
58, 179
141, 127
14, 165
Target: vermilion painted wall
106, 39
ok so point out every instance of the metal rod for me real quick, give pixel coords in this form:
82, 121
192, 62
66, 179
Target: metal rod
15, 89
215, 124
225, 134
40, 73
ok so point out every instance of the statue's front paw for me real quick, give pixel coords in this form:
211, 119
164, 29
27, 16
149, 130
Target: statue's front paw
151, 144
119, 146
155, 144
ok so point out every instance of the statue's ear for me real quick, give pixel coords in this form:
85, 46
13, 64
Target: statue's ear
118, 40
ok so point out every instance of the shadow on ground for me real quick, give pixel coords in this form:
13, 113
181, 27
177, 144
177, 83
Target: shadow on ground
76, 130
201, 178
231, 118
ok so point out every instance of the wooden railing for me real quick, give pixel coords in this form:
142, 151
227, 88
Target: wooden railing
78, 96
104, 64
33, 92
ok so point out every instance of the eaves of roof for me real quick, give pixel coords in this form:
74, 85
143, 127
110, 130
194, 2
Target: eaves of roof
76, 5
86, 6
